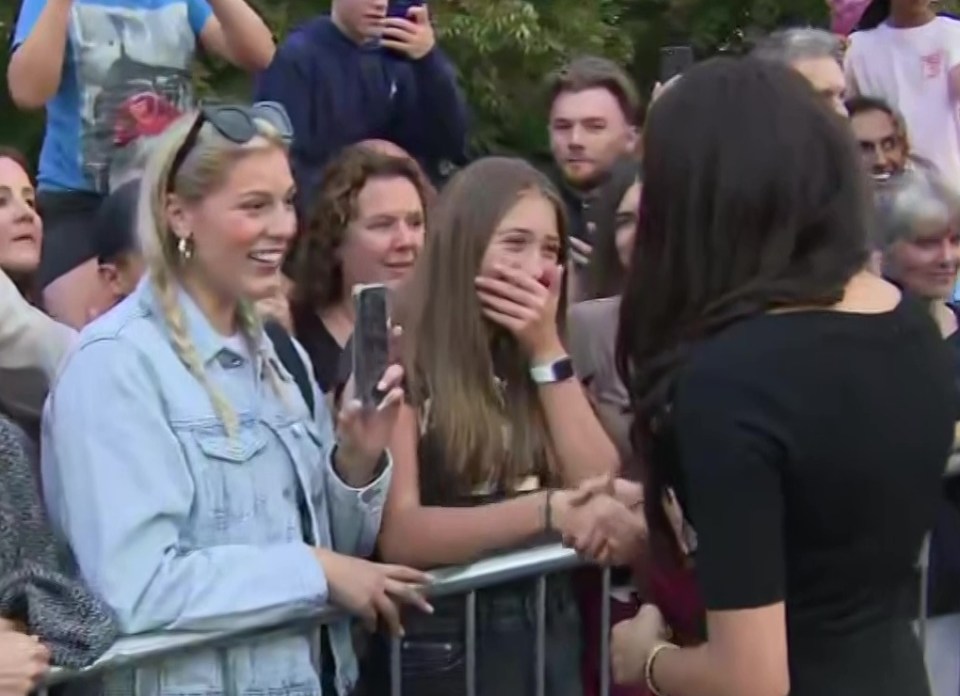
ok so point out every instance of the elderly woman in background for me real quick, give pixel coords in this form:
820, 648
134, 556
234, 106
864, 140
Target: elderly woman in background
919, 240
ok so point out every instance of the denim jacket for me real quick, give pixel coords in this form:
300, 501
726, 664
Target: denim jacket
179, 526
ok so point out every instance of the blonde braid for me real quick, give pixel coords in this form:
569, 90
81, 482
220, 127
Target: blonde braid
186, 351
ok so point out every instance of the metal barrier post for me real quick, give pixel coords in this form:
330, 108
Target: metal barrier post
605, 635
396, 676
471, 643
541, 658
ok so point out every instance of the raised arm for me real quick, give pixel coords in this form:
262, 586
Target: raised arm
119, 490
526, 308
39, 47
236, 33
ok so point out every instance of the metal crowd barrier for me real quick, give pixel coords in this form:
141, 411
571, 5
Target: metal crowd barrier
139, 651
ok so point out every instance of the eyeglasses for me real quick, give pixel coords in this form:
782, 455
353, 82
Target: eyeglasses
237, 124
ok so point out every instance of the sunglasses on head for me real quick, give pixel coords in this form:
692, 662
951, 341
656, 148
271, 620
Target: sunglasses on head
236, 123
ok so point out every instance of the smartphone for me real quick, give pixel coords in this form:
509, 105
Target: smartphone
371, 342
674, 60
401, 8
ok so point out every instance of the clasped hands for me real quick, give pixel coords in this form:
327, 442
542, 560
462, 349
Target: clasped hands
602, 519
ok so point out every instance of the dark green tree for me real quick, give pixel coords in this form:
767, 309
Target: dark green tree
503, 49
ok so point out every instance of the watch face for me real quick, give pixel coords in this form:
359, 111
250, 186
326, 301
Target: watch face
563, 369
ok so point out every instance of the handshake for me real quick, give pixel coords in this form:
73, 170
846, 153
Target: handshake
603, 520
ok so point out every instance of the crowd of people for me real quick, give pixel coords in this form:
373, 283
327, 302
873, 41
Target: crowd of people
713, 347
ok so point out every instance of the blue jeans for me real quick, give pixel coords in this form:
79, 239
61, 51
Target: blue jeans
433, 656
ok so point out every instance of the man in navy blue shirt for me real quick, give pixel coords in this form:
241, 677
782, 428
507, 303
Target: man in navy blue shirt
360, 74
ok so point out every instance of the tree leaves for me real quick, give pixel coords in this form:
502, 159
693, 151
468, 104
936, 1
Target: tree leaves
503, 49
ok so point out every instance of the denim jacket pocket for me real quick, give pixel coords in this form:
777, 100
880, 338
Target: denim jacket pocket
237, 449
226, 475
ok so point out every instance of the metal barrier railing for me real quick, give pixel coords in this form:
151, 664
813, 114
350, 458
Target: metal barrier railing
140, 651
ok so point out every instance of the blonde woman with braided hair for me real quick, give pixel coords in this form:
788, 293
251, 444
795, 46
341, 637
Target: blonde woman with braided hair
182, 463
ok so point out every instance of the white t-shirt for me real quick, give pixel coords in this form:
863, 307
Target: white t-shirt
909, 69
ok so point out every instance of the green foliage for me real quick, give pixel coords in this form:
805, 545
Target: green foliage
504, 48
23, 131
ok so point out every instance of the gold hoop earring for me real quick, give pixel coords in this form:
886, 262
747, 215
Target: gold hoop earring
185, 248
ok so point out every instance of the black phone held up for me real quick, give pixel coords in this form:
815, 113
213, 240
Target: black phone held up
371, 342
401, 8
674, 60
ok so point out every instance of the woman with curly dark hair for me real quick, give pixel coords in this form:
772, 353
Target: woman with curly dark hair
801, 408
365, 226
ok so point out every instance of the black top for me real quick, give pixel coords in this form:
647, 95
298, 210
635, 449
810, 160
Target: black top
811, 447
943, 590
331, 361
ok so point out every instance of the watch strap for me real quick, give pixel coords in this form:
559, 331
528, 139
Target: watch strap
559, 370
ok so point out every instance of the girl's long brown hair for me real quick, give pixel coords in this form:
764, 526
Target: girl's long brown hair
453, 355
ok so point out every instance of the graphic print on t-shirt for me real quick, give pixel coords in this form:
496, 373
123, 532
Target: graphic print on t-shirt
134, 81
933, 65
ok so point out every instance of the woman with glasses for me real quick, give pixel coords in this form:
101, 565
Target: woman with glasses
180, 459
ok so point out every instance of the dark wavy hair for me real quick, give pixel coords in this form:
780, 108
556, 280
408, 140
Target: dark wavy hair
315, 268
754, 199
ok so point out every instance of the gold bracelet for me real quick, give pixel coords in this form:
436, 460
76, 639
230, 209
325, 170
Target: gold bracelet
648, 668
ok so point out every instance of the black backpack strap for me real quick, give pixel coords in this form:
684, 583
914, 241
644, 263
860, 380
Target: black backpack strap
288, 355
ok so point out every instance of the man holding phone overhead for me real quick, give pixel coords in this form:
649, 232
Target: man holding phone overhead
370, 70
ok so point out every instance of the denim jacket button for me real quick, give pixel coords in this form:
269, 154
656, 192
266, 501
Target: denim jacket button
297, 430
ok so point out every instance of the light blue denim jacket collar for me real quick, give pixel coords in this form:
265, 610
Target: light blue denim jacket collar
210, 344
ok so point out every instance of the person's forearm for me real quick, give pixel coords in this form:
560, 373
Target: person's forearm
427, 537
36, 66
700, 671
248, 39
580, 442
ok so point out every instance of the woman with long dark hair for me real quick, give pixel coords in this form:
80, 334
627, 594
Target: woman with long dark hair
800, 407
